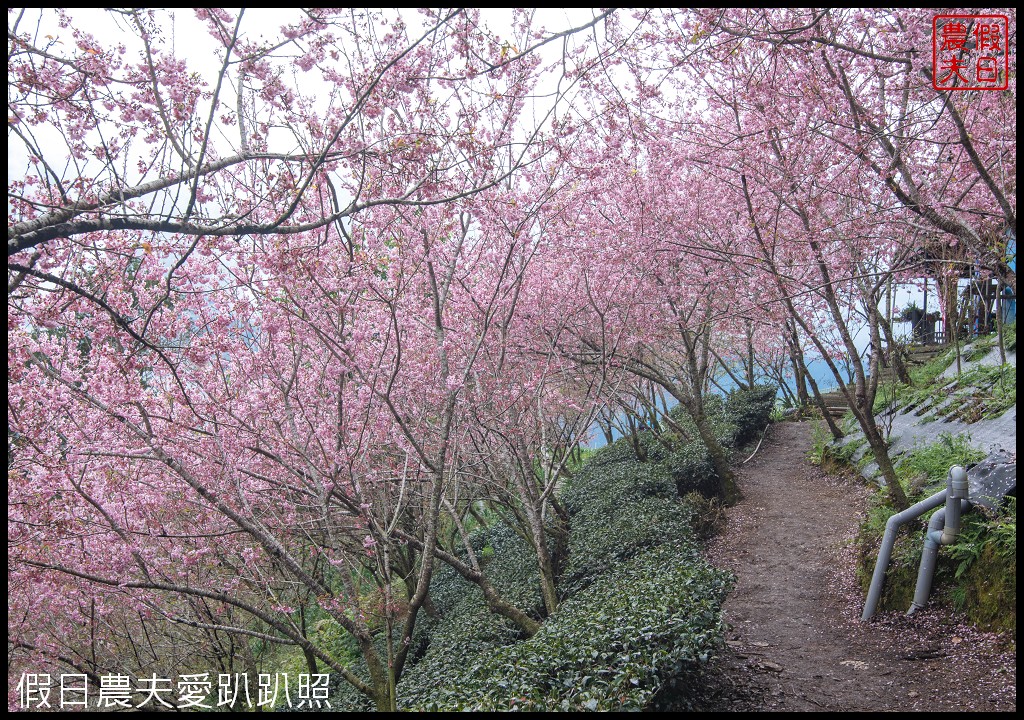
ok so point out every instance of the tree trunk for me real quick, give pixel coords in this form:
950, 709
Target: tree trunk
606, 428
897, 497
796, 355
796, 359
634, 438
497, 605
750, 354
538, 538
560, 534
727, 488
306, 651
896, 355
833, 427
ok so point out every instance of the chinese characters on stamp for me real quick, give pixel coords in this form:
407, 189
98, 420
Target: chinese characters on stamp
970, 52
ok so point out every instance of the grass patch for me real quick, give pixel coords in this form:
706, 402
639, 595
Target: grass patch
831, 456
993, 386
821, 443
927, 466
983, 391
922, 378
925, 375
1010, 336
980, 347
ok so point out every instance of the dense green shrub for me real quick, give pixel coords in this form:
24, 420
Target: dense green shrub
619, 451
691, 470
616, 512
608, 648
735, 420
463, 628
465, 632
750, 411
718, 419
638, 601
600, 485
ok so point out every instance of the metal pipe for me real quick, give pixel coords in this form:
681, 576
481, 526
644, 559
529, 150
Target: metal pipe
892, 526
943, 529
932, 541
956, 483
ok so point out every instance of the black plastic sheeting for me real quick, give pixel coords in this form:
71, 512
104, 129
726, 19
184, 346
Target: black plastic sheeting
992, 479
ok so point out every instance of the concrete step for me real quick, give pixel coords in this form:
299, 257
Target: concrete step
919, 355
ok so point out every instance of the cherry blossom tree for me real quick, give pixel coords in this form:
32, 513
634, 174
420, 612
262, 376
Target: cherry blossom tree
652, 294
828, 221
943, 155
288, 310
246, 311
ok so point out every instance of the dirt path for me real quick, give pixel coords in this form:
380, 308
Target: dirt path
796, 642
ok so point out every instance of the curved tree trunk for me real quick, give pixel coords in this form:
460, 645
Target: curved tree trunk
719, 458
495, 602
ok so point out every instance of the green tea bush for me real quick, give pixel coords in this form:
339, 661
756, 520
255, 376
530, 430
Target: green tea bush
750, 411
620, 451
615, 514
464, 626
610, 647
691, 470
639, 603
465, 631
600, 485
735, 421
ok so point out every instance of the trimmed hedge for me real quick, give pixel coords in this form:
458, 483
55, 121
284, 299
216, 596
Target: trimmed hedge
691, 469
617, 511
611, 647
750, 411
640, 605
